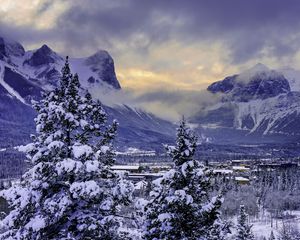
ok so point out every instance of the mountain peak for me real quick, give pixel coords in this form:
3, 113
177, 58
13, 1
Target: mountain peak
42, 56
259, 82
258, 71
102, 64
101, 52
45, 49
99, 57
259, 67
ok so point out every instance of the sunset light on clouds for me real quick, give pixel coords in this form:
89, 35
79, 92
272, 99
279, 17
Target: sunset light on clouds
161, 46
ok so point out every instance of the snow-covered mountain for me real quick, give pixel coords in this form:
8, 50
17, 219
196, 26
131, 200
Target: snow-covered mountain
256, 105
41, 67
259, 104
24, 75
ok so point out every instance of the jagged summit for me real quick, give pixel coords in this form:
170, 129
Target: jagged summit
100, 54
45, 49
259, 67
259, 70
99, 58
42, 66
43, 56
102, 64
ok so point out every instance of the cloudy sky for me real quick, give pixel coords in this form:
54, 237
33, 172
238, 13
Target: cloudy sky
162, 45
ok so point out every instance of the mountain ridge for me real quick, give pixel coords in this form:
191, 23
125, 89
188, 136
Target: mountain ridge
258, 103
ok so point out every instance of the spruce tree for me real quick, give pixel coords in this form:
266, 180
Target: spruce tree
70, 191
272, 237
181, 206
243, 228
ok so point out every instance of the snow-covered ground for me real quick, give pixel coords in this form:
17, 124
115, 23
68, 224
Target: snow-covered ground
136, 152
262, 226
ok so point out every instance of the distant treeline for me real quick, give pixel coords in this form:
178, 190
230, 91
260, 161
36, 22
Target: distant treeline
12, 164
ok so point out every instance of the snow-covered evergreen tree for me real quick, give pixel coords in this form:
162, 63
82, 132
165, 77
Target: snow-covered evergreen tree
289, 231
272, 237
243, 228
69, 192
181, 207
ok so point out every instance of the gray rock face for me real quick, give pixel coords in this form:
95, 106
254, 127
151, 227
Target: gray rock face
224, 86
103, 65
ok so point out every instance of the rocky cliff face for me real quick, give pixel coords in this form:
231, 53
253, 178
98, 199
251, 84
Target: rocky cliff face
254, 84
102, 64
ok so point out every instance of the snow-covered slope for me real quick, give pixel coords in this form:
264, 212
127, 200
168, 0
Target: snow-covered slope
259, 103
278, 114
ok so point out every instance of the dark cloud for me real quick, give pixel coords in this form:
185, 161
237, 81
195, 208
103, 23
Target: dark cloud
246, 27
104, 22
24, 34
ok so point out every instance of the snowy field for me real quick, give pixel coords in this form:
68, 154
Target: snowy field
262, 226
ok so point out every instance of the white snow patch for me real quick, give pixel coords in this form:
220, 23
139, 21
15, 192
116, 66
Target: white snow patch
27, 148
55, 144
91, 166
36, 223
68, 165
81, 150
85, 189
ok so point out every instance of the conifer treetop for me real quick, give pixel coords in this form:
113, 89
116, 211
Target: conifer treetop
181, 206
186, 143
244, 231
